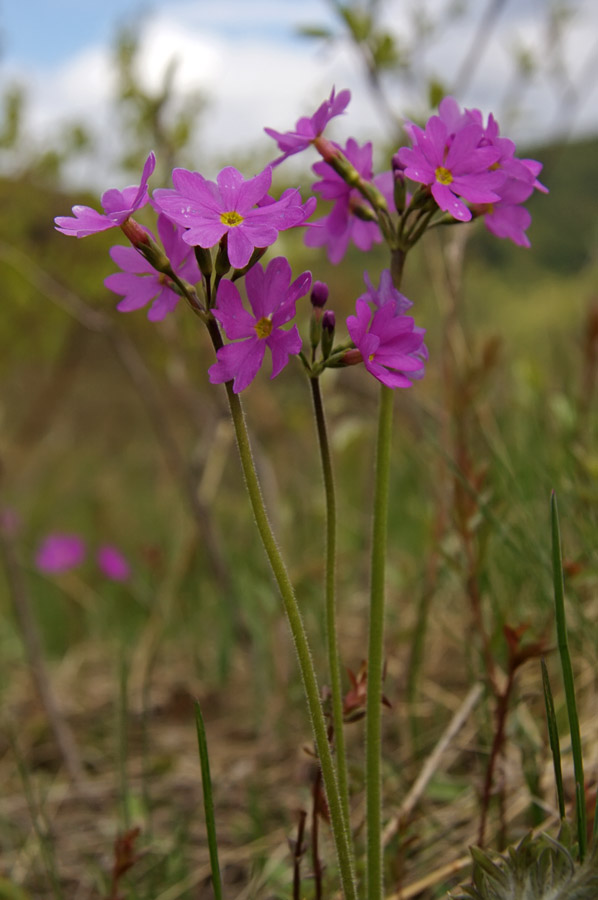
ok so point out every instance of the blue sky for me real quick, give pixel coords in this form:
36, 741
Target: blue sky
247, 62
63, 27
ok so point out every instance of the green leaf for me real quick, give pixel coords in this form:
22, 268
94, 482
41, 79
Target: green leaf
208, 802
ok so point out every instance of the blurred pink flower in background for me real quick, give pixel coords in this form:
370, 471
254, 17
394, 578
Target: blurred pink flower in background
112, 563
59, 553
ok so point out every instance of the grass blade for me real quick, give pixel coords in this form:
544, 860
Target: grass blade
553, 738
567, 669
208, 802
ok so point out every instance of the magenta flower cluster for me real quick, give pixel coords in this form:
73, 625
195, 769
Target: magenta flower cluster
459, 159
60, 552
462, 165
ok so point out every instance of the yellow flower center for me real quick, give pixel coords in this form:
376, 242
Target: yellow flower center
443, 175
263, 327
231, 218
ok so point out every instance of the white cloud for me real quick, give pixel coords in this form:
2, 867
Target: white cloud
244, 59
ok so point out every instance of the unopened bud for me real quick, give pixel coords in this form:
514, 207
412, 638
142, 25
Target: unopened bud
319, 294
204, 261
363, 212
135, 233
400, 191
352, 357
328, 327
222, 261
146, 245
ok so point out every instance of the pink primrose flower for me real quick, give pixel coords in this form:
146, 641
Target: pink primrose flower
112, 563
453, 165
308, 128
60, 552
230, 206
118, 206
272, 299
505, 217
340, 225
140, 283
387, 342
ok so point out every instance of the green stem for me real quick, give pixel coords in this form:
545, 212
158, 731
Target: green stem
375, 885
337, 817
331, 632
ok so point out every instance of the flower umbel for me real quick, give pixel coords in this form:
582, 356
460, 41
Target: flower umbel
272, 298
453, 165
118, 206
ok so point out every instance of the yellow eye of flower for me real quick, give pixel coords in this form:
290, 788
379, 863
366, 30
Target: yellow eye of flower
263, 327
231, 218
443, 175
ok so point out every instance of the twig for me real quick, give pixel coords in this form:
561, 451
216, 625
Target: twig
432, 762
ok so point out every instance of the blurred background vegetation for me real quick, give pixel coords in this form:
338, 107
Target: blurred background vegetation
110, 430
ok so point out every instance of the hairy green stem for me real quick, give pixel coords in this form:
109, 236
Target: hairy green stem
335, 806
374, 868
331, 631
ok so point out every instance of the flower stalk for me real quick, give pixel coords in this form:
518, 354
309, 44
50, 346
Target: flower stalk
338, 820
374, 867
331, 629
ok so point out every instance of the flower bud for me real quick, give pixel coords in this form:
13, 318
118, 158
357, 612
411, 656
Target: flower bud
319, 294
135, 233
222, 261
398, 171
204, 261
328, 326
